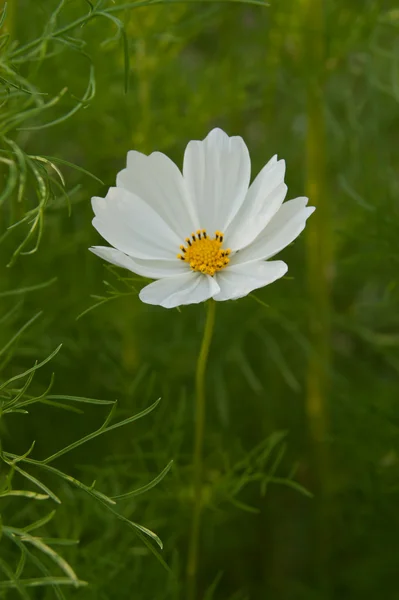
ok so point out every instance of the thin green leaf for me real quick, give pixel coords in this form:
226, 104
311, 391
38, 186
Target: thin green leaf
76, 167
41, 582
80, 399
148, 486
28, 289
28, 371
13, 581
40, 523
103, 429
25, 494
40, 545
3, 14
87, 97
19, 333
35, 481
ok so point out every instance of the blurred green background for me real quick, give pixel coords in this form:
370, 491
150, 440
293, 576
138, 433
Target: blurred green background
301, 450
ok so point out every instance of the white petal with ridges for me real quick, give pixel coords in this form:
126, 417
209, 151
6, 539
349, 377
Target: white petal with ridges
153, 269
132, 226
264, 198
284, 227
239, 280
158, 181
170, 292
217, 171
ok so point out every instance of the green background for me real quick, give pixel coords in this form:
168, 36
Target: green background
301, 449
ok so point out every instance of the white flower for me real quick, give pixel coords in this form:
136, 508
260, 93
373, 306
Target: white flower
202, 234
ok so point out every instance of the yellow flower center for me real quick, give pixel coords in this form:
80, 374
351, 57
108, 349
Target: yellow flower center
205, 254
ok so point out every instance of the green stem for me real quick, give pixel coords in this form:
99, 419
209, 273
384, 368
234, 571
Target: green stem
319, 264
192, 563
319, 239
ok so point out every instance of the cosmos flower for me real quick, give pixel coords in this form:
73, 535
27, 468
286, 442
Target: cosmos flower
202, 234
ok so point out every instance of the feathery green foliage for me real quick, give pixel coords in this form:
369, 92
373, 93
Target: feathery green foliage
301, 446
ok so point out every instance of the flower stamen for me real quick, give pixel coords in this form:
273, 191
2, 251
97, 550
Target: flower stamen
205, 254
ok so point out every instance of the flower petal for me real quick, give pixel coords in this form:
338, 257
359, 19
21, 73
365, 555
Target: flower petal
239, 280
217, 171
264, 198
132, 226
170, 292
158, 181
284, 227
154, 269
